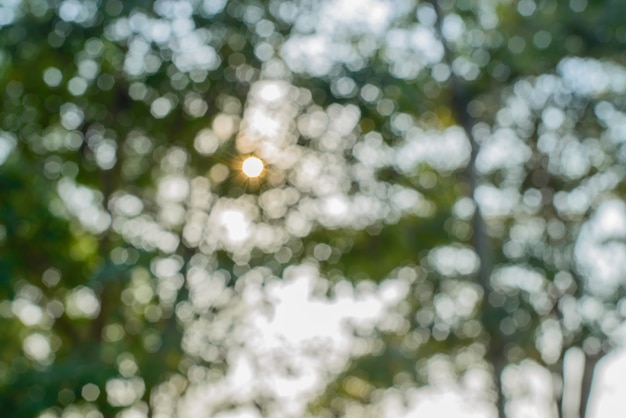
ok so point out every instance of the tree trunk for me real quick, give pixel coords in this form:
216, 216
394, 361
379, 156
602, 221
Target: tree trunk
560, 397
558, 406
459, 100
498, 362
590, 365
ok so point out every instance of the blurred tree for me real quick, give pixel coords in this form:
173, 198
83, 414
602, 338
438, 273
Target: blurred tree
468, 152
507, 76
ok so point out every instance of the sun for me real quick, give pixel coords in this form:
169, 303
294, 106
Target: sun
252, 167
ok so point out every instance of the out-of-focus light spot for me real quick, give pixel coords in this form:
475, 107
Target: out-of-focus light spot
426, 14
450, 260
160, 107
336, 206
52, 76
553, 118
27, 312
300, 50
270, 92
37, 347
218, 173
85, 204
517, 44
464, 208
69, 10
513, 277
173, 189
127, 205
322, 252
529, 382
127, 365
313, 124
263, 124
113, 332
343, 87
236, 225
82, 303
592, 77
8, 12
600, 248
453, 27
88, 69
446, 150
578, 6
370, 93
526, 8
372, 16
71, 116
441, 72
542, 39
7, 144
77, 86
224, 126
122, 392
51, 277
90, 392
55, 308
252, 167
105, 154
194, 105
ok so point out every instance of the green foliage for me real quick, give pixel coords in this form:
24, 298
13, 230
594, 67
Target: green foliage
458, 150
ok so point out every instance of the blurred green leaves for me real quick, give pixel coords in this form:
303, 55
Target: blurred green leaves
443, 159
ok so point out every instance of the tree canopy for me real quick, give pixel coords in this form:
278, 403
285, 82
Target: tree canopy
177, 177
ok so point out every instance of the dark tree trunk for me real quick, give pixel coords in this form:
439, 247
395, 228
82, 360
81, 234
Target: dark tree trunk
591, 362
498, 362
559, 373
460, 97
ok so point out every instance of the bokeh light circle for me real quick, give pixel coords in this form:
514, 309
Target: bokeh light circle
252, 167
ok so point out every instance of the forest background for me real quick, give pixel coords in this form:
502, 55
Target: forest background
439, 223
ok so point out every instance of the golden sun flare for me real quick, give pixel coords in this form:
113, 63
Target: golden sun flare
252, 167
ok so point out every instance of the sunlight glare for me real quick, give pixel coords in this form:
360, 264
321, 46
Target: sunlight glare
252, 167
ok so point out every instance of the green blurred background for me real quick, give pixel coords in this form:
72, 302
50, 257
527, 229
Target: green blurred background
439, 219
